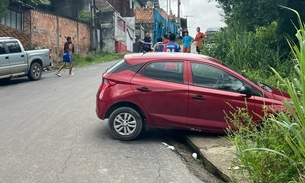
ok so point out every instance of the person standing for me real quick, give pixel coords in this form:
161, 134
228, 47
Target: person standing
166, 40
187, 40
147, 42
199, 38
171, 46
158, 47
67, 57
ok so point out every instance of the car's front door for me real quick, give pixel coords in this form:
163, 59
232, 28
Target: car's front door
162, 91
212, 93
18, 62
4, 61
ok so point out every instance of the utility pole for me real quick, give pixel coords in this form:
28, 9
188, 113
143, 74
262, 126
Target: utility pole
93, 27
167, 17
186, 16
179, 22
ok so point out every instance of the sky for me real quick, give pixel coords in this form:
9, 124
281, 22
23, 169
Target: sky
199, 13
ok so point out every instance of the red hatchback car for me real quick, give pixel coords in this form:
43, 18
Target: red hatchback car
177, 90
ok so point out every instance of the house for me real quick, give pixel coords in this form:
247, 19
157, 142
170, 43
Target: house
156, 21
37, 28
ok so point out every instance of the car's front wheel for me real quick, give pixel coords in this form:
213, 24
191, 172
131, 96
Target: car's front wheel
125, 123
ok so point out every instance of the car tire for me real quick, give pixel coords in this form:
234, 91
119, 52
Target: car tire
125, 123
35, 71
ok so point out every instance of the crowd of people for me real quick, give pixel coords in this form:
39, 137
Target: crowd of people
167, 43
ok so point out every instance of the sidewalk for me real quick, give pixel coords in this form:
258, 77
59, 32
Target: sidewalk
217, 154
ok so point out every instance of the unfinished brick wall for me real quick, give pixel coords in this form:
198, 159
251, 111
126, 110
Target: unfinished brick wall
50, 31
122, 6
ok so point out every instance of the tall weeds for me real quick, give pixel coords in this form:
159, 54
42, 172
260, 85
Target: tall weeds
276, 152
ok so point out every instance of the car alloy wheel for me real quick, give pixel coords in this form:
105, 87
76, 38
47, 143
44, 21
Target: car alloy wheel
125, 123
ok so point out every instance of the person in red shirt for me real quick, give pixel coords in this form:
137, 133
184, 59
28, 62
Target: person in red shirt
166, 40
199, 39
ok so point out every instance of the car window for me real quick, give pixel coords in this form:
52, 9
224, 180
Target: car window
166, 71
13, 47
2, 50
123, 65
211, 77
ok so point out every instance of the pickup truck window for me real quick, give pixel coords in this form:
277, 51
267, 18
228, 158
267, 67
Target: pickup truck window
13, 47
2, 50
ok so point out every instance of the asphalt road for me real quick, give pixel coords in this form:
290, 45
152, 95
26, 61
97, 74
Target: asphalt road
50, 133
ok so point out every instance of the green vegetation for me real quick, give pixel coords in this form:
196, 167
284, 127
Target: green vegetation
246, 51
250, 15
3, 7
84, 16
274, 151
90, 59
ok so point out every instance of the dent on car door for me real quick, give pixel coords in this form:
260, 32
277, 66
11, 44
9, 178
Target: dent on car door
18, 62
4, 61
162, 92
212, 93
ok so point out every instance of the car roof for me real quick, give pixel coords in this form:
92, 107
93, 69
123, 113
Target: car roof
137, 58
213, 29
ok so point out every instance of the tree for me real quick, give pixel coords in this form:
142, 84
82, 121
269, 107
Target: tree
37, 2
3, 6
248, 15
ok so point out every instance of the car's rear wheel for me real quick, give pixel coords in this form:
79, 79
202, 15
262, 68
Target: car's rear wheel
125, 123
35, 71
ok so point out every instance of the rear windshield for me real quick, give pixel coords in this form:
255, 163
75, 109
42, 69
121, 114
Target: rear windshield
123, 65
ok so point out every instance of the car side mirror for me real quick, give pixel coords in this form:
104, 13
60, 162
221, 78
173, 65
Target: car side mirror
246, 90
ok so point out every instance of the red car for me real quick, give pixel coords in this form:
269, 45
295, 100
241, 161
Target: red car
177, 90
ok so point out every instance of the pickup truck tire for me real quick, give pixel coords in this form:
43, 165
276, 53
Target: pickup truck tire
35, 71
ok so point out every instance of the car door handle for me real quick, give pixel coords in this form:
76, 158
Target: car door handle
6, 57
198, 97
22, 55
144, 89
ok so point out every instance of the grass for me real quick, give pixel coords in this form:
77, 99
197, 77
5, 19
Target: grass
90, 59
275, 152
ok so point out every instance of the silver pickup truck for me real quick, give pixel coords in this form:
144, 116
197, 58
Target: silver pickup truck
15, 61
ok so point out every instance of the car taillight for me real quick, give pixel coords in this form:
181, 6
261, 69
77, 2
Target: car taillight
106, 83
50, 55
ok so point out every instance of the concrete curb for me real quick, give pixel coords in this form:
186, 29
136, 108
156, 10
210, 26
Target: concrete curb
209, 165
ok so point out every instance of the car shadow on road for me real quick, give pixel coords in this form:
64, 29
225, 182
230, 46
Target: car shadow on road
15, 81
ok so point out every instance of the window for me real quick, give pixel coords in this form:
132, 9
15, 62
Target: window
211, 77
165, 71
13, 19
13, 47
2, 50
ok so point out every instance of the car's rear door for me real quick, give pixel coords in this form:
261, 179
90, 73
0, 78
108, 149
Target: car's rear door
4, 61
212, 93
161, 89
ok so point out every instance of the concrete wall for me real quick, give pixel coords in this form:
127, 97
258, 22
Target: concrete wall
106, 23
130, 32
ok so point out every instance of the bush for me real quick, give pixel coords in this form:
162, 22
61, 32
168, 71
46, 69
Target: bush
276, 151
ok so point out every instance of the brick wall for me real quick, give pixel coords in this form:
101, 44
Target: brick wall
144, 15
122, 6
50, 31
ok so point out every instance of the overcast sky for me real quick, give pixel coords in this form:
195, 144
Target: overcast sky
199, 13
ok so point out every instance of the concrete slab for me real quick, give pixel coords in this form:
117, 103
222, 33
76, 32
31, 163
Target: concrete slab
217, 153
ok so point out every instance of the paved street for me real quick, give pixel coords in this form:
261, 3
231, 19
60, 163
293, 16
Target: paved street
50, 133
